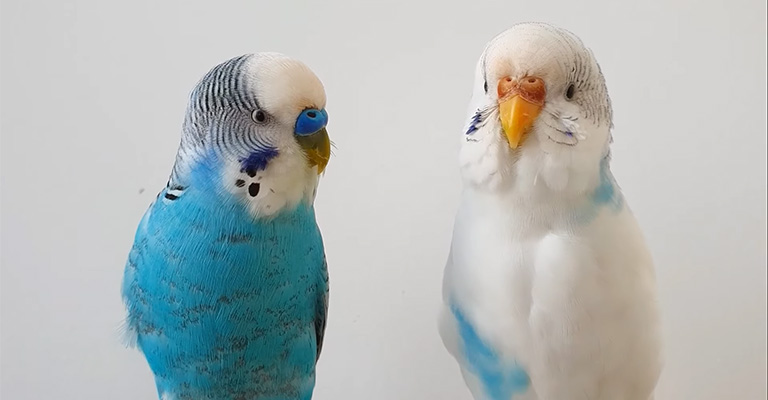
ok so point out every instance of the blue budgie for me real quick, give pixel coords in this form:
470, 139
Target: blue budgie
226, 285
549, 289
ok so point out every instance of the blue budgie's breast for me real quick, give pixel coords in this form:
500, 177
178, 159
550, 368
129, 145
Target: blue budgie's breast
227, 306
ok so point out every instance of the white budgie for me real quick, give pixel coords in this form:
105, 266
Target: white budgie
549, 289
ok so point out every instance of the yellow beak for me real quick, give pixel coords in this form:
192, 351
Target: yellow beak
317, 147
517, 116
520, 102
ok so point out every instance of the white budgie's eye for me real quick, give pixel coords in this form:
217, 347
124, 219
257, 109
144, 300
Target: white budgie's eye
259, 116
570, 92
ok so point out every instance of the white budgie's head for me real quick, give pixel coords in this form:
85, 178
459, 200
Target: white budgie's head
539, 107
260, 119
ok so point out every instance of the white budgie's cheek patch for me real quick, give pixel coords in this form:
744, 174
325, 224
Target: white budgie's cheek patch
564, 130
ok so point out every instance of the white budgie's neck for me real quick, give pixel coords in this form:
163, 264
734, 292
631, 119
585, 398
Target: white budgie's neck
534, 171
539, 175
547, 183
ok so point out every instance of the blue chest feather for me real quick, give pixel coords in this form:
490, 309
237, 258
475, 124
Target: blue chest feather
226, 306
607, 193
501, 379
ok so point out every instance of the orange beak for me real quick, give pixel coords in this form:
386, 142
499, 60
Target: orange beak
519, 104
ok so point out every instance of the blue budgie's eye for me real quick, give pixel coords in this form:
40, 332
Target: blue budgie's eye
259, 116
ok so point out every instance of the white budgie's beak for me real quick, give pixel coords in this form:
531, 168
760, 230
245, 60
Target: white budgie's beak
520, 102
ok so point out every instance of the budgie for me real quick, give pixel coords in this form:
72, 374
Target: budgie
549, 290
226, 285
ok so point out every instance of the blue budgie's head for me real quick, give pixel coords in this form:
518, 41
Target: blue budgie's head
255, 127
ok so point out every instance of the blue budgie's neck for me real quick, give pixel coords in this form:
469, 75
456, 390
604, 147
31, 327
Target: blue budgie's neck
265, 181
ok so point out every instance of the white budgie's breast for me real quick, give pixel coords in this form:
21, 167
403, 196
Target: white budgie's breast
552, 293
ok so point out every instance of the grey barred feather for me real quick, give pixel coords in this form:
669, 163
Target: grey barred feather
584, 72
219, 117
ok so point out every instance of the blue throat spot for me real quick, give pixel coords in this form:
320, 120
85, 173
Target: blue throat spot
257, 161
310, 121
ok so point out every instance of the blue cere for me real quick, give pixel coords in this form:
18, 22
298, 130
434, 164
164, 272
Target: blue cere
310, 121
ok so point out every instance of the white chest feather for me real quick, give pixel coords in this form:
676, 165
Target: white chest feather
569, 295
282, 183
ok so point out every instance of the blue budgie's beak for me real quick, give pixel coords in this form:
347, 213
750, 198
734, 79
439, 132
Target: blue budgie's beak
311, 134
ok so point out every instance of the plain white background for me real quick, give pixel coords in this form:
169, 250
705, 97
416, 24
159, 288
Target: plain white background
93, 95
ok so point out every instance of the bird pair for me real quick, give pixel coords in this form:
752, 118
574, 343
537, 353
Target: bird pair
549, 289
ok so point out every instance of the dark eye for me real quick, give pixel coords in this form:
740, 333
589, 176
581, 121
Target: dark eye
570, 91
259, 116
485, 87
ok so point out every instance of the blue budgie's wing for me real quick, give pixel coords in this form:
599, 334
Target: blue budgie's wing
322, 308
135, 302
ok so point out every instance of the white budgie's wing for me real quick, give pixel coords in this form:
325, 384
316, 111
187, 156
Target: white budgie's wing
593, 320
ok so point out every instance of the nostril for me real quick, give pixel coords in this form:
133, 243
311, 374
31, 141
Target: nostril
508, 79
311, 114
531, 80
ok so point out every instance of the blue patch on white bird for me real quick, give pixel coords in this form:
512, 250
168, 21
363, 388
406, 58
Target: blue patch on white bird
501, 379
258, 160
606, 192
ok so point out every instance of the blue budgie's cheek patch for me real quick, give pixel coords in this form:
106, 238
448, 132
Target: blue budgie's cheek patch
250, 166
257, 161
501, 379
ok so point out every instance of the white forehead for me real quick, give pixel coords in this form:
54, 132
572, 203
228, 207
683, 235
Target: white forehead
284, 86
533, 49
